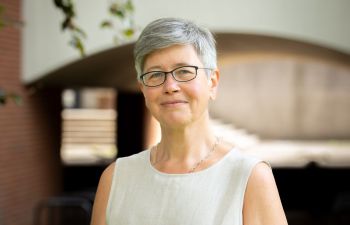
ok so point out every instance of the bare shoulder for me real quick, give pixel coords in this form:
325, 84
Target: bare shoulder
262, 204
108, 173
102, 195
106, 178
261, 175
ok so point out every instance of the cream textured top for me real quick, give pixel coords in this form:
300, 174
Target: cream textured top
142, 195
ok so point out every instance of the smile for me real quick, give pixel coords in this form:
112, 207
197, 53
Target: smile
173, 103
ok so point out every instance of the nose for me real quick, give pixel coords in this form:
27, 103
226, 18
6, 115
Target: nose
170, 84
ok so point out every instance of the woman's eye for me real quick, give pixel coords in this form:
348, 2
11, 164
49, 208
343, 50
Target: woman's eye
155, 75
183, 71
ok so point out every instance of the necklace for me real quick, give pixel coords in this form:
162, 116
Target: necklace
200, 161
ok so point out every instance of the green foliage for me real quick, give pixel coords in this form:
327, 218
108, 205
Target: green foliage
121, 21
2, 23
5, 97
6, 21
129, 32
77, 34
121, 12
106, 24
77, 44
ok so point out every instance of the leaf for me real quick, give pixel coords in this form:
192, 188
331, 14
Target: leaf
2, 100
106, 24
129, 32
16, 98
129, 6
80, 32
66, 23
2, 23
66, 7
116, 10
58, 3
114, 7
77, 44
4, 97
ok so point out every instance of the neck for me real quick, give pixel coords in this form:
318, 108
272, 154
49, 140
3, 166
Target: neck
186, 144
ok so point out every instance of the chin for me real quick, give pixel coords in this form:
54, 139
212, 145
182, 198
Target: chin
176, 122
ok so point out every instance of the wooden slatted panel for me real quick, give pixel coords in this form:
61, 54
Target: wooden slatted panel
88, 135
89, 126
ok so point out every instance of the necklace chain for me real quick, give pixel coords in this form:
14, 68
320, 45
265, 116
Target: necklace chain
200, 161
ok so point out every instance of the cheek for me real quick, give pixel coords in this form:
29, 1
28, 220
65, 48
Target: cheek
200, 91
149, 98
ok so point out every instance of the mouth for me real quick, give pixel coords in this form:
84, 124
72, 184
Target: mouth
173, 103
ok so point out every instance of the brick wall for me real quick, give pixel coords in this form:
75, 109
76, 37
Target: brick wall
29, 134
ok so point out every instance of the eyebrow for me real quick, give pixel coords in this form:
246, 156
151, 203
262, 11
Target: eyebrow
157, 68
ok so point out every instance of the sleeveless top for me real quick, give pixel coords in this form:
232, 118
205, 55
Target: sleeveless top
142, 195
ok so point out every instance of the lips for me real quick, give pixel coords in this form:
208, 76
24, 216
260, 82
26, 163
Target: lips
173, 102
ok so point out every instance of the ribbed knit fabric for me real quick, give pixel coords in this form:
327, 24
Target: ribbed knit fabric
142, 195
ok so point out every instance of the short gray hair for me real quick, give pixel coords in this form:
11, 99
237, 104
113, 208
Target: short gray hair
166, 32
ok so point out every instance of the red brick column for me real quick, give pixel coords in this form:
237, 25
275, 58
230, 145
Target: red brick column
29, 133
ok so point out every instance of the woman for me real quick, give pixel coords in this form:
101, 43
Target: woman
191, 176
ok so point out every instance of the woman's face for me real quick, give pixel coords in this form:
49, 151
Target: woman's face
174, 103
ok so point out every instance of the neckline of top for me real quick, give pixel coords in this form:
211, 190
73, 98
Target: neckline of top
220, 161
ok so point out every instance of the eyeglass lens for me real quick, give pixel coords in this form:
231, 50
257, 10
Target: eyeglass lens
181, 74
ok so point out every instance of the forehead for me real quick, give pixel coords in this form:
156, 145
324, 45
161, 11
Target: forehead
170, 57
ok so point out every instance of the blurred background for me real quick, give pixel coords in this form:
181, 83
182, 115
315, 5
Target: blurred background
70, 104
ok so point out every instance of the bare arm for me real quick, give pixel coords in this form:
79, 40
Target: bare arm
101, 198
262, 204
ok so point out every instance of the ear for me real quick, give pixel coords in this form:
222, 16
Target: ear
214, 83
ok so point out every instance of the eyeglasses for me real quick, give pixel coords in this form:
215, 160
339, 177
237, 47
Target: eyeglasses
180, 74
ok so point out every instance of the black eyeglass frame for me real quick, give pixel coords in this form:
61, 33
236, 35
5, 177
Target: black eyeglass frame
172, 74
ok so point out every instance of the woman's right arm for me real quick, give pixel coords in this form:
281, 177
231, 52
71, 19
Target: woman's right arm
101, 198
